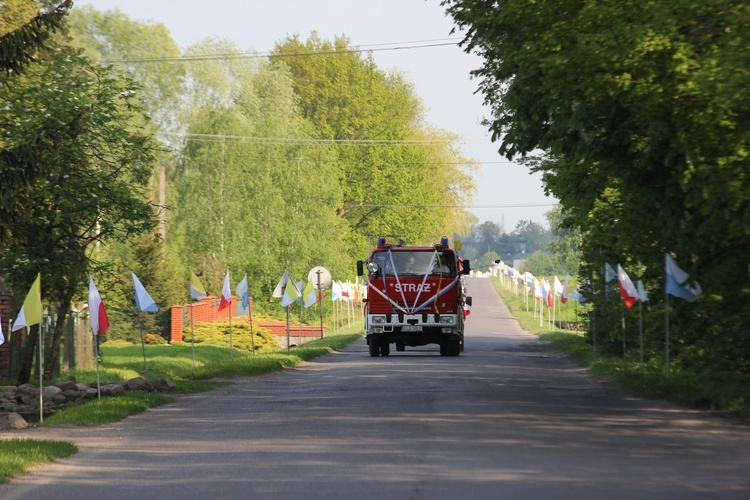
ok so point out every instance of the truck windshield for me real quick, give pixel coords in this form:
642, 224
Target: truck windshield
409, 263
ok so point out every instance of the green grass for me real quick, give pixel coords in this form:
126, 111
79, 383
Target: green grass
18, 455
103, 411
710, 390
174, 363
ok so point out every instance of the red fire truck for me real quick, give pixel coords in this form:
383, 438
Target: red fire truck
415, 296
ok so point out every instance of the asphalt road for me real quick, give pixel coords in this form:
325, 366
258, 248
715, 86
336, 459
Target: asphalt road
509, 418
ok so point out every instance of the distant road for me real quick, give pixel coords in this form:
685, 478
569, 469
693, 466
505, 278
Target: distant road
509, 418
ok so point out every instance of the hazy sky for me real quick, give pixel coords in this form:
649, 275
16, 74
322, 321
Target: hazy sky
507, 192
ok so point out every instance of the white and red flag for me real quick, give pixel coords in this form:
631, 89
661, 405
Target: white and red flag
99, 319
628, 291
226, 294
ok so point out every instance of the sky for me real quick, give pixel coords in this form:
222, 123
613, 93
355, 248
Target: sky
439, 70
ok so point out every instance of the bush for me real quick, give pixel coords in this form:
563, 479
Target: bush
153, 339
217, 333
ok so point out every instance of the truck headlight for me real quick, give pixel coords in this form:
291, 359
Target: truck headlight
447, 320
377, 320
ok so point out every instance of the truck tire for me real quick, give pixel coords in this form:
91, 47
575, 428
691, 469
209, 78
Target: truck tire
385, 349
453, 348
374, 347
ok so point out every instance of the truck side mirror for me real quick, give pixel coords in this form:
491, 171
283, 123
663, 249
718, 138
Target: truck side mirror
467, 300
466, 267
360, 268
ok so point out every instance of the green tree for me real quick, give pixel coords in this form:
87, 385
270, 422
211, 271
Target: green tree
641, 111
92, 189
25, 33
245, 203
397, 173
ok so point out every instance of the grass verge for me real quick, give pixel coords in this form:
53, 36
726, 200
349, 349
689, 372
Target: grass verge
18, 455
175, 363
727, 393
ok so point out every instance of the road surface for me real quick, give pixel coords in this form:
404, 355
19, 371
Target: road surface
509, 418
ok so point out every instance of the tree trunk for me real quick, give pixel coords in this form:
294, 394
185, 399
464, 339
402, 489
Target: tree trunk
27, 357
53, 354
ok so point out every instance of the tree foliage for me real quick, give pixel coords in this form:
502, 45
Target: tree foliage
641, 111
92, 190
399, 177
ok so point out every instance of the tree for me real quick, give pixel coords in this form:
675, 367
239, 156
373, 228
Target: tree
24, 36
92, 189
248, 204
642, 117
397, 173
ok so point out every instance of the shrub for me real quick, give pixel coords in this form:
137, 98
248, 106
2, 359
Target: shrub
217, 333
153, 339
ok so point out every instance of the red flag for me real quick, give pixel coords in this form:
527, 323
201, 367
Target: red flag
99, 319
226, 294
628, 291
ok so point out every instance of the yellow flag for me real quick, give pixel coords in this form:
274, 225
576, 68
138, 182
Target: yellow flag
197, 291
32, 306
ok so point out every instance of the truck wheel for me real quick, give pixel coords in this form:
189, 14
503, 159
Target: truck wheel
400, 347
385, 348
444, 349
374, 348
453, 348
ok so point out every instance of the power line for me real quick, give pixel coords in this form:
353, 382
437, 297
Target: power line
249, 138
264, 55
417, 205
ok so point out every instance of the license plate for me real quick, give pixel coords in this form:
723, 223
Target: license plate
411, 328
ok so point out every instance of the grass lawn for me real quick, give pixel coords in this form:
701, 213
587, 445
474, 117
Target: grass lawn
174, 363
727, 393
17, 455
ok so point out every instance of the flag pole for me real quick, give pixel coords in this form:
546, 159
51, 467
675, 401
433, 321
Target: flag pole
666, 335
96, 357
640, 328
231, 350
250, 314
143, 345
192, 334
287, 326
41, 375
320, 301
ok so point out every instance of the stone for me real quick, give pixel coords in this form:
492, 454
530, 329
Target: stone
112, 390
72, 395
66, 385
51, 391
139, 384
12, 421
27, 390
159, 384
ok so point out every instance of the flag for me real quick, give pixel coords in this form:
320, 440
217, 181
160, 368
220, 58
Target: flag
99, 319
677, 281
642, 292
291, 293
336, 291
143, 300
563, 295
196, 288
345, 291
31, 311
537, 289
2, 337
547, 291
558, 287
609, 273
628, 291
243, 292
311, 297
279, 290
226, 294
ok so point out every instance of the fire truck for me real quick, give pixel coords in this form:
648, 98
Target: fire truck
415, 296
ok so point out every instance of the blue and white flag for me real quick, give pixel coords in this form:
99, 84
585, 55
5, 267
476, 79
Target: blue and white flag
243, 293
143, 300
678, 281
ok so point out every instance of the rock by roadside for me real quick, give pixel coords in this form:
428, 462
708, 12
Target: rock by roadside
19, 406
